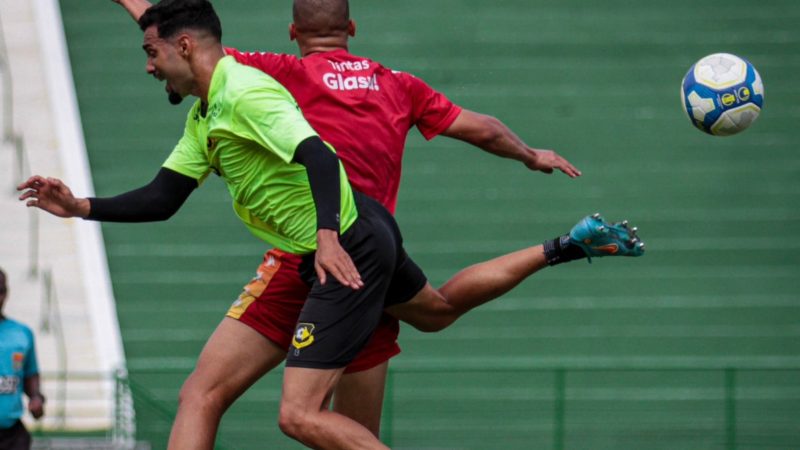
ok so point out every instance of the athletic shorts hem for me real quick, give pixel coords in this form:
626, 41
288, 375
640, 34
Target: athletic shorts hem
364, 364
315, 364
421, 285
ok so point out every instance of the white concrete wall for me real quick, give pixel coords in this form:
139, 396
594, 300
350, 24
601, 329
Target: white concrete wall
47, 117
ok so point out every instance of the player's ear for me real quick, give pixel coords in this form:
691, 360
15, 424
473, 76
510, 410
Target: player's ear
292, 32
184, 45
351, 28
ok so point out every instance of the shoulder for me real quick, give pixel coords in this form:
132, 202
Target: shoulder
245, 86
242, 79
408, 81
389, 70
13, 326
407, 77
16, 324
400, 81
265, 61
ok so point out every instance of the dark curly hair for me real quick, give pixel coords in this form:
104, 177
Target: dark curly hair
173, 16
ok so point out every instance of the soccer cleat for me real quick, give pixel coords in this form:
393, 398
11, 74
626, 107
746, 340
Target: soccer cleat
597, 237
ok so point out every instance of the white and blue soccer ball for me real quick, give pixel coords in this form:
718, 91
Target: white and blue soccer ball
722, 94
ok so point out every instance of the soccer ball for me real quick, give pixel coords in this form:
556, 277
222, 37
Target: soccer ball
722, 94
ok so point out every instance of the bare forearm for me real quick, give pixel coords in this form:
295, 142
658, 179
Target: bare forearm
32, 386
501, 141
491, 135
35, 398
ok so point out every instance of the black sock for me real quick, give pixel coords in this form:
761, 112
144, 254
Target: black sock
561, 250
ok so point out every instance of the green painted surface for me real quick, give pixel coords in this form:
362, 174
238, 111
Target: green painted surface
597, 81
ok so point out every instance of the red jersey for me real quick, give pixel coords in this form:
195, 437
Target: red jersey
362, 108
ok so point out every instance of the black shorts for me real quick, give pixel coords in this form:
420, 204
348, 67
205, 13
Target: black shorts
337, 321
15, 438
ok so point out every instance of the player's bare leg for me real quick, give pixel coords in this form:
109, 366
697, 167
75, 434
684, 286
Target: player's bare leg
234, 357
304, 415
433, 310
359, 396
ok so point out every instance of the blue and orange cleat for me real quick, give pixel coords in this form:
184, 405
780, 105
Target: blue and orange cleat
599, 238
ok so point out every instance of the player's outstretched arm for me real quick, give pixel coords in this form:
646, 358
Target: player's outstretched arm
53, 196
493, 136
156, 201
134, 7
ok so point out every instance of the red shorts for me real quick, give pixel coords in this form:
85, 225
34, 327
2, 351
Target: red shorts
271, 302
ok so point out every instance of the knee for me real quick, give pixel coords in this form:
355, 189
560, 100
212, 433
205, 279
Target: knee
434, 323
294, 422
196, 397
429, 312
436, 315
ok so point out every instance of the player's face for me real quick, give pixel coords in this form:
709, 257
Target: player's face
166, 61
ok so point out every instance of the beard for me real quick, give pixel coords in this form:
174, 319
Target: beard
174, 98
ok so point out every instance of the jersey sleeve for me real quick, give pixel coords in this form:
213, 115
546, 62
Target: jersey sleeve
31, 367
432, 111
189, 157
270, 116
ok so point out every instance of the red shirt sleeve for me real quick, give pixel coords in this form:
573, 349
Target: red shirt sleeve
432, 111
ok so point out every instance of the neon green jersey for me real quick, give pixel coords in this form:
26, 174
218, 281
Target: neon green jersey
248, 136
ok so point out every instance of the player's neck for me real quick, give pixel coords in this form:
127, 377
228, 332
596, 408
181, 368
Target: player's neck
203, 70
321, 45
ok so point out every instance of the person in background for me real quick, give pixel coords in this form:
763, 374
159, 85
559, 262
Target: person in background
18, 373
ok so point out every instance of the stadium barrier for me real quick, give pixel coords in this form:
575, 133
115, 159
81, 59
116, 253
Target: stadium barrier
51, 324
736, 398
55, 431
556, 407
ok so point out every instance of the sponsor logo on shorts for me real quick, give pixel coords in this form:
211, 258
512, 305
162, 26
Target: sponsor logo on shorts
303, 335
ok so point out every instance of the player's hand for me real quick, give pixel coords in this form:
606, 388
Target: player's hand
134, 7
53, 196
547, 160
36, 406
332, 258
